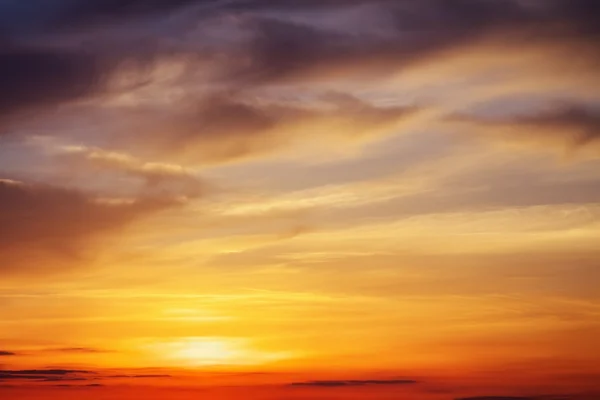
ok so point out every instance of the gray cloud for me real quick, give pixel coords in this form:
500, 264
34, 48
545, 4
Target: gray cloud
144, 376
278, 46
347, 383
69, 377
89, 385
569, 126
41, 77
45, 375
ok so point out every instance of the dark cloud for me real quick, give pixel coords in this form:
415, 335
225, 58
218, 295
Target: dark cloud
102, 11
90, 385
144, 376
45, 375
69, 377
4, 353
570, 126
42, 224
39, 75
63, 379
34, 77
77, 350
517, 398
60, 372
45, 15
284, 51
54, 53
346, 383
278, 48
497, 398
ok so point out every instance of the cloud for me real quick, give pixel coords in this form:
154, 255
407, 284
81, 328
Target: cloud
497, 398
102, 11
221, 128
250, 48
60, 372
69, 14
42, 75
285, 51
44, 375
156, 177
410, 34
569, 126
90, 385
44, 225
77, 350
4, 353
346, 383
68, 376
145, 376
516, 398
37, 77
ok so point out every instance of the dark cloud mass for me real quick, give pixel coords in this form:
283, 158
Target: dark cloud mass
63, 51
37, 15
32, 77
4, 353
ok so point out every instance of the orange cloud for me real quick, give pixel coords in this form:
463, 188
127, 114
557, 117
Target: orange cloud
45, 226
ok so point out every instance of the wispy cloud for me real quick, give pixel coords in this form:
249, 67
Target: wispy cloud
45, 375
58, 224
542, 397
77, 350
251, 49
571, 127
358, 382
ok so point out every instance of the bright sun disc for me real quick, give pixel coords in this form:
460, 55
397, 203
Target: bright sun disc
212, 351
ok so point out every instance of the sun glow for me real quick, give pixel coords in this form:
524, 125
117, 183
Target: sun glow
199, 352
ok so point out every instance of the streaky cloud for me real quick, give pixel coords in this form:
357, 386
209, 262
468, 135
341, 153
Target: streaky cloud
358, 382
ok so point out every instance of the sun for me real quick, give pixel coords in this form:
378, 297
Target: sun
205, 351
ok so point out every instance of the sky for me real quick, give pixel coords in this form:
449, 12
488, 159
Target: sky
300, 199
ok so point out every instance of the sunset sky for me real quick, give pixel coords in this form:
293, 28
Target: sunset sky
300, 199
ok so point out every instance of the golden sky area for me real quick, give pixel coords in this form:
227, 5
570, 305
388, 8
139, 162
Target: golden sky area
307, 200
